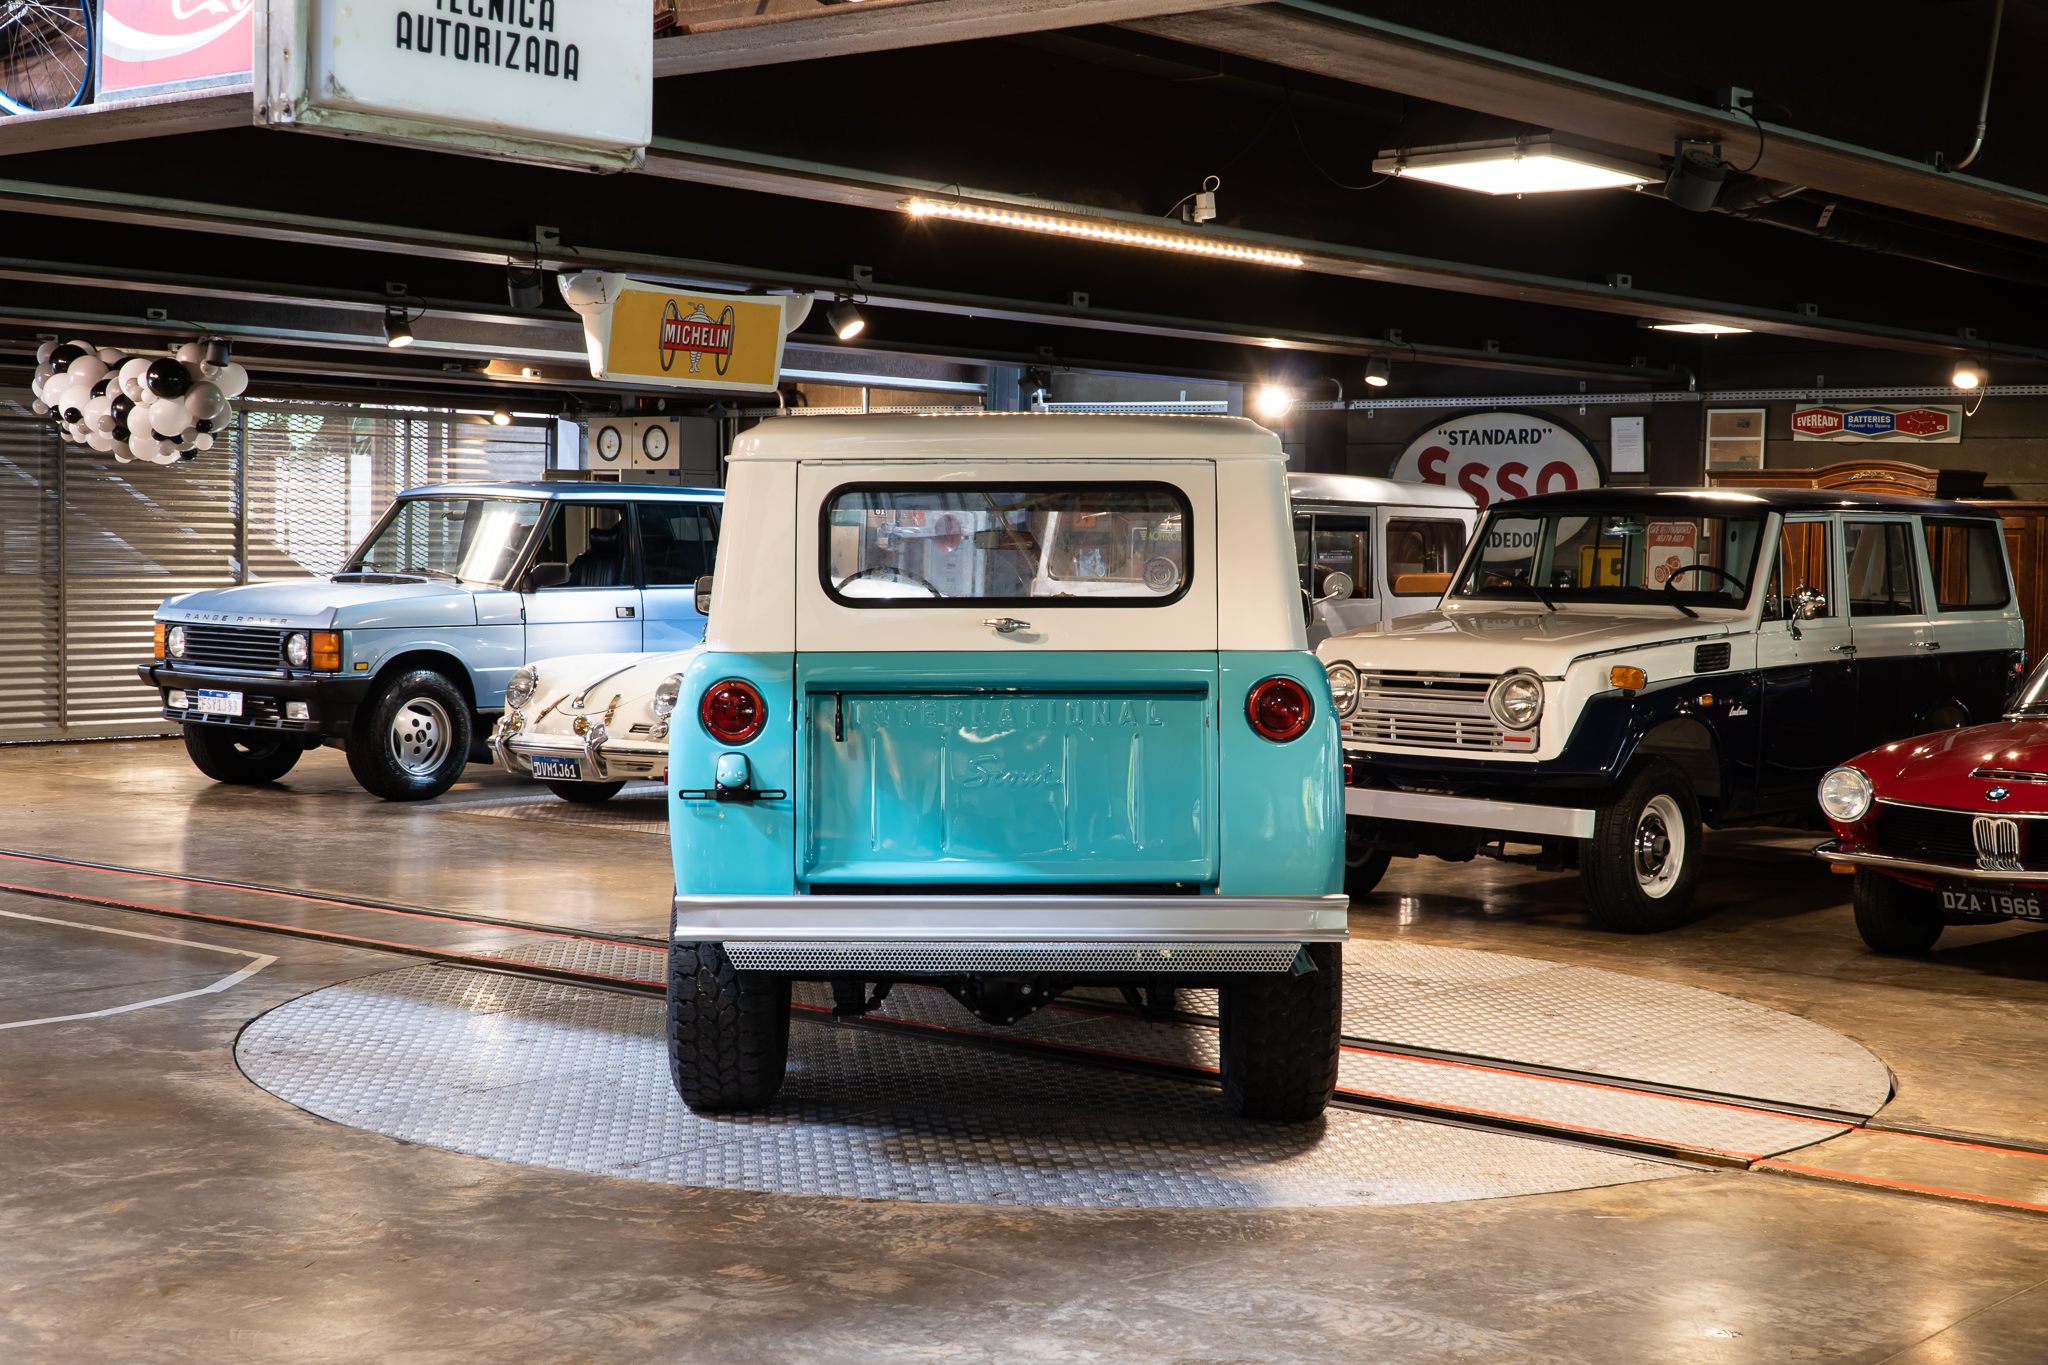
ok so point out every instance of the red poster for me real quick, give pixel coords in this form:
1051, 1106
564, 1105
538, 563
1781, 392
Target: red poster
1667, 547
152, 45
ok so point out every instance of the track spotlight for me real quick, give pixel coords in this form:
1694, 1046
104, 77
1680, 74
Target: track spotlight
397, 328
219, 351
1968, 375
1378, 372
1272, 401
523, 287
1697, 173
846, 321
501, 418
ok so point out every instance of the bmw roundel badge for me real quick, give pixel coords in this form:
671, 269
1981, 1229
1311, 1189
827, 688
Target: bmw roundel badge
1997, 794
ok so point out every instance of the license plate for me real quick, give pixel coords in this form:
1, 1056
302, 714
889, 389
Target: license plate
220, 703
2020, 902
560, 769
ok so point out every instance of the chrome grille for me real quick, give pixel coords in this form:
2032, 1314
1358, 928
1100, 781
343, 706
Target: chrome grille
1424, 711
233, 647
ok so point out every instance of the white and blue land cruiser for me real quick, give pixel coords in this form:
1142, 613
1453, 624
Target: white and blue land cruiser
401, 659
1615, 668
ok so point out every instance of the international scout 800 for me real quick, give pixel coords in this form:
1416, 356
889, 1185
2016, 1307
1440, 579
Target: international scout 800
1006, 705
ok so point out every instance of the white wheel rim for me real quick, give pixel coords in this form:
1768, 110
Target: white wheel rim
419, 736
1659, 849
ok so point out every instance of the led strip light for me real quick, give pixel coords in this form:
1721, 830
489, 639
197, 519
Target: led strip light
1099, 232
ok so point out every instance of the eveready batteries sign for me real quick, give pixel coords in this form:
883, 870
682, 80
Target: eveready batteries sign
1935, 425
1496, 456
646, 333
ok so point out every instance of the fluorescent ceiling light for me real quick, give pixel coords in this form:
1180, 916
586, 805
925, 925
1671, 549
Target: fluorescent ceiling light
1531, 165
1099, 231
1704, 329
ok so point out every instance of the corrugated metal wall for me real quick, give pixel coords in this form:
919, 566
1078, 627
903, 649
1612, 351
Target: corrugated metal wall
286, 495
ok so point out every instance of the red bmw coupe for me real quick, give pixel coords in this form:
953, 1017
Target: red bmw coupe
1948, 828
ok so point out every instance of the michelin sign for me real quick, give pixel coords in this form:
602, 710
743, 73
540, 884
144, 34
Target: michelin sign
646, 333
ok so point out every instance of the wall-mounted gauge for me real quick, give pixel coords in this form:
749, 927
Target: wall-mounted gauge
609, 444
654, 442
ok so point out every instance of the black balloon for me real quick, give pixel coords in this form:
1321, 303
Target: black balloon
100, 389
73, 415
122, 406
120, 433
167, 378
203, 424
191, 454
61, 358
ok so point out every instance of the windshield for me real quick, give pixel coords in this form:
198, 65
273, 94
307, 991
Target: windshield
2032, 697
1654, 553
473, 540
1124, 544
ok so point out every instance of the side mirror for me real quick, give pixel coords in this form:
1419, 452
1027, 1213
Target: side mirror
547, 576
1336, 586
1807, 603
704, 595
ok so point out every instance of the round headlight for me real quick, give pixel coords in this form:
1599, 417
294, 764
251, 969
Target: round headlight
175, 642
297, 652
1517, 701
665, 695
1845, 795
1343, 687
519, 687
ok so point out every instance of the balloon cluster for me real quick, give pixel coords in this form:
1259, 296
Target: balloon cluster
161, 410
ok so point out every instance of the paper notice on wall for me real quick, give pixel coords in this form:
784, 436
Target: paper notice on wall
1625, 445
1668, 546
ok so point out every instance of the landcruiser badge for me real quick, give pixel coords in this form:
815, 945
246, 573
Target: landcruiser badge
1997, 794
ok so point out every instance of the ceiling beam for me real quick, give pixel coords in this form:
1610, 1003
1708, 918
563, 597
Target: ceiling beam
720, 35
189, 111
1307, 36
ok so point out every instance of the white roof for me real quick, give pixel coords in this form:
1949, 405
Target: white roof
1346, 488
1007, 435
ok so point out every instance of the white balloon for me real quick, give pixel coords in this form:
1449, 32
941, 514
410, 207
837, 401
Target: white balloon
131, 377
100, 441
141, 443
87, 347
169, 419
99, 413
77, 396
42, 408
112, 358
203, 441
204, 401
232, 379
43, 353
87, 369
192, 352
121, 455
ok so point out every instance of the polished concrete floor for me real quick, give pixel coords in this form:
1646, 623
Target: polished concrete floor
157, 1206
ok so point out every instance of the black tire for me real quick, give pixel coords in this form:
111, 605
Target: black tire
243, 757
585, 793
1895, 918
1642, 864
728, 1030
410, 741
1280, 1036
1363, 867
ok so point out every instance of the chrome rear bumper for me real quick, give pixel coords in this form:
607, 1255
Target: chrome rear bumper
1159, 921
1828, 853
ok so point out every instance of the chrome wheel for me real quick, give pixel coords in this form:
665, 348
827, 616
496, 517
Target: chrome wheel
419, 736
1659, 846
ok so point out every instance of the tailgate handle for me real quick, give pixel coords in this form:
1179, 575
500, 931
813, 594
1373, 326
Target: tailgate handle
1007, 625
838, 718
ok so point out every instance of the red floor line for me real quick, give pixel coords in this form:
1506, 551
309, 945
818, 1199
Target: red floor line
1952, 1142
1878, 1182
342, 940
285, 895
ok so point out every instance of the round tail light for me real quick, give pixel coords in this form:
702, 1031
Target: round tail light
733, 711
1280, 709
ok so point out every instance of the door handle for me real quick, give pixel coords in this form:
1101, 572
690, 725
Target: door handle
1843, 649
1927, 644
1007, 625
623, 613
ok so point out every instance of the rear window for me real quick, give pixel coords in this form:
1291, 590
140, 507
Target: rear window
1969, 571
908, 545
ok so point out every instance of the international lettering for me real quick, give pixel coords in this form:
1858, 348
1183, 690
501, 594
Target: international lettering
514, 49
984, 717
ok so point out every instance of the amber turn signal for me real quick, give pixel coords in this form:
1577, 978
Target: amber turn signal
160, 628
1629, 679
327, 651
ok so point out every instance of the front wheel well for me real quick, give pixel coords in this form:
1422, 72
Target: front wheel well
447, 665
1690, 747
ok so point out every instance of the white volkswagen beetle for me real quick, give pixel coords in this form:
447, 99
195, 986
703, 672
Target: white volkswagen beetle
587, 724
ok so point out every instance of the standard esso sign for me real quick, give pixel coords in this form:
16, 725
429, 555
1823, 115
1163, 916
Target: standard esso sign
1496, 456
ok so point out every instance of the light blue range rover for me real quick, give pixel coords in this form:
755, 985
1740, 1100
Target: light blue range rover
401, 659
